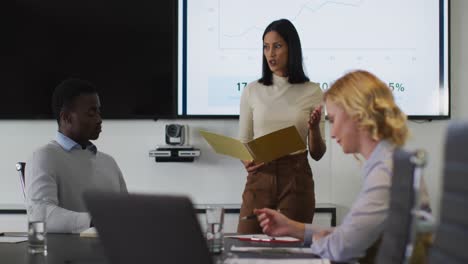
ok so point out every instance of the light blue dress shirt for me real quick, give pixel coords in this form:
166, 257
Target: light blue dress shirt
364, 223
68, 144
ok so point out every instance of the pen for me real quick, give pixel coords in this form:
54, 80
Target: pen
249, 217
14, 234
253, 216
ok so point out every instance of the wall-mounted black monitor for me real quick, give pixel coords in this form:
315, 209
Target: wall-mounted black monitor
127, 48
406, 43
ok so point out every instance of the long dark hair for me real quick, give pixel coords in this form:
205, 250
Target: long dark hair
288, 32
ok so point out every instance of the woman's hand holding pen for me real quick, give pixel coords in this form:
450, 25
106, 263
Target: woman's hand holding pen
251, 167
274, 223
314, 118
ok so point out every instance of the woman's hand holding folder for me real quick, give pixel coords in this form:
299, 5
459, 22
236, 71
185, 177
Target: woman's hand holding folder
251, 167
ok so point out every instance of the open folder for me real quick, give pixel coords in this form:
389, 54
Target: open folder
262, 149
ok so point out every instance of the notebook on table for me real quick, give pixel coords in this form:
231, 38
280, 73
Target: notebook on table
90, 232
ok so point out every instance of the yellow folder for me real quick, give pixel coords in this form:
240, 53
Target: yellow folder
262, 149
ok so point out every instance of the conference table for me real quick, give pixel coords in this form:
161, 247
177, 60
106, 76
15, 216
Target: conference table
73, 249
62, 248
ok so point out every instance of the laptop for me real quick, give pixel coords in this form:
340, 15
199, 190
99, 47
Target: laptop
137, 228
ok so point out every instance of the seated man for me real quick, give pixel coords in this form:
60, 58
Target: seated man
59, 172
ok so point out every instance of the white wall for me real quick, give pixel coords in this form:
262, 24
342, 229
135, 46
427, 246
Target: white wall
217, 179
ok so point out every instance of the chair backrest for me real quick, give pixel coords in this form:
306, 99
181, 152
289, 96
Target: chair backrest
399, 233
20, 168
451, 238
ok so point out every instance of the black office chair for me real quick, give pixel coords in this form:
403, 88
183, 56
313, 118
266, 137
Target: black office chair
20, 167
404, 212
451, 238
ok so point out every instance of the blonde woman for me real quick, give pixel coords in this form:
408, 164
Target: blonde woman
364, 120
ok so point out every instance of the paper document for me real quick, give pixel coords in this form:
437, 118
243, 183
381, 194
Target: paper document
6, 239
90, 232
262, 149
280, 250
275, 261
264, 238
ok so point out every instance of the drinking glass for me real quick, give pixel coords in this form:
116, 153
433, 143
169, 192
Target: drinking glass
37, 232
214, 228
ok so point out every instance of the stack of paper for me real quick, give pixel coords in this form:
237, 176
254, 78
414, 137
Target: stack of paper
6, 239
275, 261
90, 232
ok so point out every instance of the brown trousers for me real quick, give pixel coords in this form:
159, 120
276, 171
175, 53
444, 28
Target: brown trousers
285, 184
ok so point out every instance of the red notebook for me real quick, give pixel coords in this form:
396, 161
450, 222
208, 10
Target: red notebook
265, 238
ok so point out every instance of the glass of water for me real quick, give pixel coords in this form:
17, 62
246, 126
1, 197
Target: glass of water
214, 228
37, 232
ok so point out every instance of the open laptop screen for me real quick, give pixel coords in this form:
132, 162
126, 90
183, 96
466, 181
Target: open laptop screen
136, 228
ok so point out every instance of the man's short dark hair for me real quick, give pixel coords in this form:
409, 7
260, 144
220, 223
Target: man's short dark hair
66, 92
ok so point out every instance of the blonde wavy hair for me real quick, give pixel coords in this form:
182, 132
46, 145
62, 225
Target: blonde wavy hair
370, 101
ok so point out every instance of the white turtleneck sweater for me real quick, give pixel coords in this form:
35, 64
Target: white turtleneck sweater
265, 109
